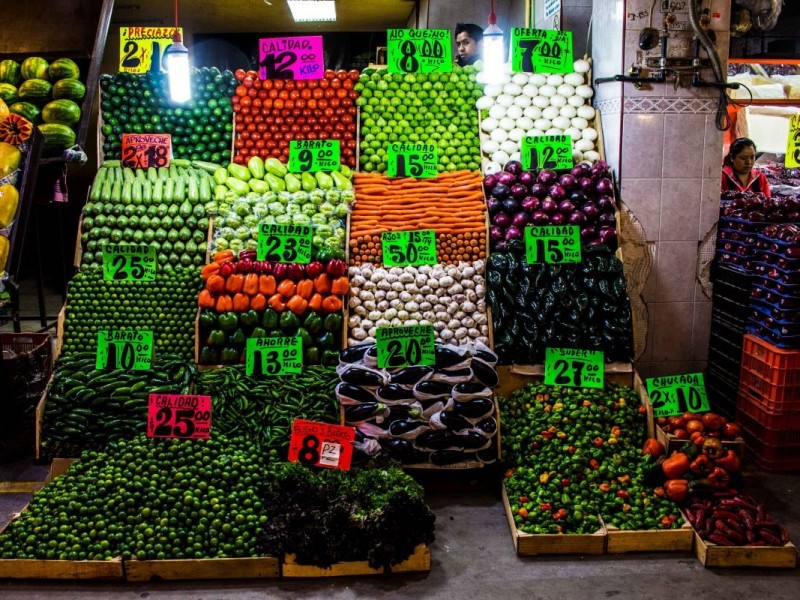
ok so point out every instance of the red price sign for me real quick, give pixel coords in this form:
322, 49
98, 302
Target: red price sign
321, 445
144, 150
178, 416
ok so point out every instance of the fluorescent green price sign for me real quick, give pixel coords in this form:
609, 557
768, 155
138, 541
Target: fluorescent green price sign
273, 356
284, 243
553, 244
313, 155
574, 368
546, 152
130, 350
404, 248
129, 262
677, 394
412, 160
541, 51
793, 146
405, 346
419, 51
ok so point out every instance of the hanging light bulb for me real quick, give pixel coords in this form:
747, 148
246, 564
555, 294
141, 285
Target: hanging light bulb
493, 51
176, 62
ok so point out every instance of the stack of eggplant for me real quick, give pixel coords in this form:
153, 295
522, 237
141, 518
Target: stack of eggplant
442, 414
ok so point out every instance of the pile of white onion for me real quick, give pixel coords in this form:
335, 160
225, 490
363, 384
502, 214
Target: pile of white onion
534, 104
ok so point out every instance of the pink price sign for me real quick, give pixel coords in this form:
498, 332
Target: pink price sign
291, 58
178, 416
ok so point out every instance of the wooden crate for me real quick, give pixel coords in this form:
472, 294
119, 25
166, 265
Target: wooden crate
773, 557
656, 540
206, 568
419, 562
527, 544
672, 443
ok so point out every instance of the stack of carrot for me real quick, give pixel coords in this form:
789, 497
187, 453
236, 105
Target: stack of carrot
451, 204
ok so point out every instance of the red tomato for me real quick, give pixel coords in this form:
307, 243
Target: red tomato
329, 74
329, 92
336, 135
267, 103
258, 118
289, 120
278, 120
239, 127
246, 101
252, 93
272, 144
241, 91
346, 119
278, 103
342, 93
239, 74
324, 83
264, 153
240, 159
267, 84
322, 103
312, 104
289, 84
262, 127
312, 83
323, 135
352, 110
253, 74
336, 83
351, 144
258, 83
300, 84
250, 128
260, 144
340, 127
278, 84
289, 104
306, 93
296, 128
348, 84
269, 120
305, 128
349, 104
294, 94
247, 82
352, 94
257, 102
300, 103
312, 135
353, 75
263, 94
318, 93
335, 102
239, 143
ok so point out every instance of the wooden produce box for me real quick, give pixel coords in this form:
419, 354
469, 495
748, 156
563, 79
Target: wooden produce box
655, 540
672, 443
527, 544
418, 562
772, 557
204, 568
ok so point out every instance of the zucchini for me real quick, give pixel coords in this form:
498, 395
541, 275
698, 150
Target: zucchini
136, 196
158, 192
127, 192
205, 190
193, 194
181, 162
112, 163
147, 192
116, 192
169, 193
127, 173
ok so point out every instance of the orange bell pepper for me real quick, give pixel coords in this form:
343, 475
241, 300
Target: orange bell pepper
331, 304
241, 303
205, 299
340, 286
266, 285
234, 283
224, 303
224, 256
315, 303
297, 305
209, 270
277, 302
305, 288
287, 288
258, 302
322, 284
250, 286
215, 284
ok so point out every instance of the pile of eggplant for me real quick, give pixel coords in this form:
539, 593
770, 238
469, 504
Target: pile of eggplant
442, 414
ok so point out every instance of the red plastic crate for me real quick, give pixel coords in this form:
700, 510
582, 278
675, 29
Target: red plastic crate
756, 435
751, 405
792, 463
777, 398
776, 365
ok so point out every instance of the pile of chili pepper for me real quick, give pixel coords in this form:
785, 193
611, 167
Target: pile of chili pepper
575, 456
730, 518
246, 298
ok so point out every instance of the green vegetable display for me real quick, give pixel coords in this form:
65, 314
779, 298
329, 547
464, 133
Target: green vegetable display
430, 108
86, 408
201, 129
167, 307
575, 456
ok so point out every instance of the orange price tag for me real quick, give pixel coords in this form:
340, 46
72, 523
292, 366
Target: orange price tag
144, 150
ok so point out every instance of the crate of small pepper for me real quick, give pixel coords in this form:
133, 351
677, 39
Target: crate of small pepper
246, 298
675, 431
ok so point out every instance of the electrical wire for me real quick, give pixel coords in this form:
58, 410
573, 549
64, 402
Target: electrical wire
722, 119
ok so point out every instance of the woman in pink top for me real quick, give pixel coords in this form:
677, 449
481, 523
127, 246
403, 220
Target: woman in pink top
738, 173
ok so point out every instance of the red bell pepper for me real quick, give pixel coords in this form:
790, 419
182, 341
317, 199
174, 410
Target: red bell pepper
295, 272
677, 490
675, 466
340, 286
729, 461
314, 268
336, 267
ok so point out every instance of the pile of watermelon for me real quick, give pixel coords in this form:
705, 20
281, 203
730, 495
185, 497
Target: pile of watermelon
47, 94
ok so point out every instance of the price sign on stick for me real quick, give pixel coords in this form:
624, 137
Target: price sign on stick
321, 445
284, 243
405, 346
541, 51
145, 150
274, 356
404, 248
546, 152
553, 244
129, 262
178, 416
793, 146
141, 49
313, 155
412, 160
291, 58
677, 394
130, 350
419, 51
573, 368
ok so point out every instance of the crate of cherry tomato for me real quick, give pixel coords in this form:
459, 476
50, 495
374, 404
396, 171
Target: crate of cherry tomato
675, 431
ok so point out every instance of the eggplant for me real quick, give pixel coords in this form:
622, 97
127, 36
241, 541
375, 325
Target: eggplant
349, 394
354, 354
435, 439
362, 376
487, 427
485, 354
404, 451
407, 428
448, 457
370, 358
404, 411
448, 420
395, 393
478, 408
453, 375
487, 456
448, 358
363, 412
472, 441
411, 375
425, 390
484, 373
470, 390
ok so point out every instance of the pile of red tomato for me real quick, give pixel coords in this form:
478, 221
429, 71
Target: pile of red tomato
270, 113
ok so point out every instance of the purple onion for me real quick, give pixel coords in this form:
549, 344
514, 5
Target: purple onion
489, 182
595, 242
607, 219
606, 234
495, 233
501, 246
586, 184
539, 190
568, 181
604, 187
526, 178
557, 192
549, 206
521, 219
539, 217
590, 210
501, 219
530, 203
513, 233
514, 167
605, 203
577, 197
558, 219
588, 233
580, 170
510, 205
566, 207
506, 178
493, 205
547, 177
519, 191
577, 218
500, 191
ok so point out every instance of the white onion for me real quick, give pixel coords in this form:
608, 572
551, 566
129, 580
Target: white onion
558, 100
589, 134
522, 101
500, 157
484, 102
490, 147
573, 79
492, 168
515, 156
520, 78
576, 101
493, 90
566, 90
505, 77
581, 66
541, 102
555, 79
561, 123
499, 135
547, 91
525, 123
569, 111
551, 112
514, 111
509, 146
506, 123
586, 112
534, 132
584, 145
530, 90
542, 124
580, 123
516, 134
489, 124
553, 131
591, 156
512, 89
584, 91
505, 100
533, 112
497, 111
573, 132
577, 156
537, 79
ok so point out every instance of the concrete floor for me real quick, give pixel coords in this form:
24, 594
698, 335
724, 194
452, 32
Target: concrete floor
473, 557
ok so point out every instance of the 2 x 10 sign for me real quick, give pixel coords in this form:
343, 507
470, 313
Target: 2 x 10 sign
291, 58
541, 51
404, 248
321, 445
129, 350
546, 152
284, 243
419, 51
313, 155
412, 160
553, 244
142, 48
678, 394
146, 150
274, 356
129, 262
574, 368
178, 416
405, 346
793, 143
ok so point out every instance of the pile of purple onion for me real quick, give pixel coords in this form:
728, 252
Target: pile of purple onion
516, 198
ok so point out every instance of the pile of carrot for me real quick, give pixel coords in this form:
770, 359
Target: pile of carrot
451, 204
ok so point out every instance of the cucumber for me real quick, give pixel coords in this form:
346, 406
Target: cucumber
136, 196
158, 192
205, 190
152, 175
163, 173
127, 173
147, 192
116, 191
193, 195
169, 193
127, 192
179, 190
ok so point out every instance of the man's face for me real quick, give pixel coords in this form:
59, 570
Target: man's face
467, 47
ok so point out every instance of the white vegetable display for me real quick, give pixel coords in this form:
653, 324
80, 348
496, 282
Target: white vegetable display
448, 297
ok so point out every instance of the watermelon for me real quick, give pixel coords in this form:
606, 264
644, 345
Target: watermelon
35, 67
65, 112
10, 72
35, 90
63, 68
57, 136
8, 93
27, 110
71, 89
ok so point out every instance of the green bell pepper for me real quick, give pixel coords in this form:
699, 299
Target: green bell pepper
228, 321
305, 337
208, 356
326, 340
258, 332
313, 322
270, 318
333, 323
311, 356
237, 339
208, 319
217, 338
230, 356
249, 318
330, 357
289, 322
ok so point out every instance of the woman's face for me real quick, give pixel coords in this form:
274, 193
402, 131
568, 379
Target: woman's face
743, 162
